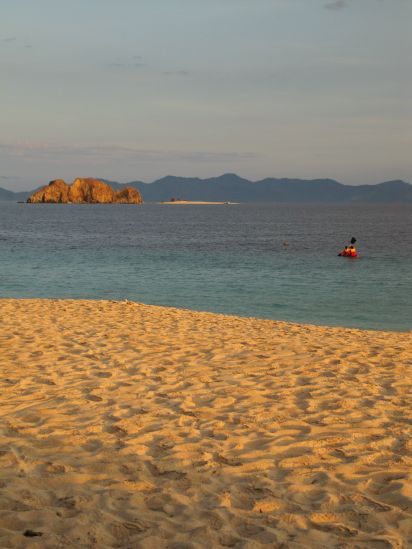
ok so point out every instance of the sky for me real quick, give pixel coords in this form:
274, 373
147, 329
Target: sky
138, 89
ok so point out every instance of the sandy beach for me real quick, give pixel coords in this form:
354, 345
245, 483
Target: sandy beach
196, 203
127, 425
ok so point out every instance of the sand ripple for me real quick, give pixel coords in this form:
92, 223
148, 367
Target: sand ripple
126, 425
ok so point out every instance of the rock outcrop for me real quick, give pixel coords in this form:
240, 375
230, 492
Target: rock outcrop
128, 195
84, 191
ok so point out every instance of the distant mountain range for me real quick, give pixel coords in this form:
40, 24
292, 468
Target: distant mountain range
232, 188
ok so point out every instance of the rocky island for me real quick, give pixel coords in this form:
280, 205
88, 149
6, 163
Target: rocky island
84, 191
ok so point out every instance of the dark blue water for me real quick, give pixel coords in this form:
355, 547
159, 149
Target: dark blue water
228, 259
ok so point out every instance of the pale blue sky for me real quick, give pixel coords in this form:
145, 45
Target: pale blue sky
137, 89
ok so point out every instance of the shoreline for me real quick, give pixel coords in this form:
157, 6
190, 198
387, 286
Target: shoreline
126, 424
205, 312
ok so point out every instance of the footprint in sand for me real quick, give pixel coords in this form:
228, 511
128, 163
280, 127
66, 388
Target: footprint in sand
124, 530
103, 374
93, 398
92, 446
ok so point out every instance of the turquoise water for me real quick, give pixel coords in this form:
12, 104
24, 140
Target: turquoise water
228, 259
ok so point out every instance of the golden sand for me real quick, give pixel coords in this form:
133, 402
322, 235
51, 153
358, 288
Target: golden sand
195, 202
126, 425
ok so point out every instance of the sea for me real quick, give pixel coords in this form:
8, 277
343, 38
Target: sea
228, 259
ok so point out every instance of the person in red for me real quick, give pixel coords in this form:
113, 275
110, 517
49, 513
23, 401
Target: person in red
349, 251
352, 251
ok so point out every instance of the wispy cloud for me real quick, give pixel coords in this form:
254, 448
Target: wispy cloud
11, 39
119, 65
132, 62
337, 5
136, 62
107, 153
178, 73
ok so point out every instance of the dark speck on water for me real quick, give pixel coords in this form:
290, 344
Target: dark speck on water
230, 259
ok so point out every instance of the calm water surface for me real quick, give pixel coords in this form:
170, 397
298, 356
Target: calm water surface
226, 259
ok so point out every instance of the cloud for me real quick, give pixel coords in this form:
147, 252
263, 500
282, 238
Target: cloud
131, 62
135, 62
198, 156
178, 73
105, 154
130, 65
10, 39
337, 5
